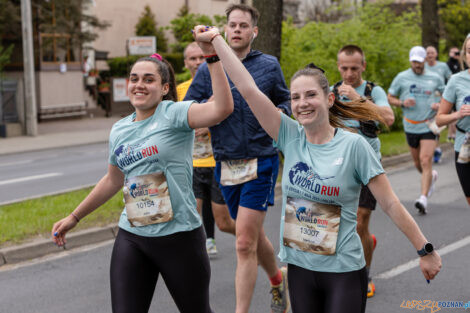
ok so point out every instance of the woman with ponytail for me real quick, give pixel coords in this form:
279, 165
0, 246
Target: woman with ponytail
150, 158
324, 168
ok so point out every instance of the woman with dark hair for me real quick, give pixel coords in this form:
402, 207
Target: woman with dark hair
160, 231
324, 167
457, 95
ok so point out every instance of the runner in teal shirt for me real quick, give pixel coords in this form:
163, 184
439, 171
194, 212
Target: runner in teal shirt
324, 168
417, 91
351, 63
436, 66
457, 95
150, 158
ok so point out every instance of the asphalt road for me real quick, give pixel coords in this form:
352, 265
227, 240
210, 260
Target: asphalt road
32, 174
78, 281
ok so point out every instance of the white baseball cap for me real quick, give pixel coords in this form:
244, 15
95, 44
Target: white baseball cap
417, 54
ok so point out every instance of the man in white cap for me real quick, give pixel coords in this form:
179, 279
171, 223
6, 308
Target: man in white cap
414, 90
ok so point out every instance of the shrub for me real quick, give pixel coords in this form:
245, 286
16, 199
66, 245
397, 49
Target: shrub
384, 36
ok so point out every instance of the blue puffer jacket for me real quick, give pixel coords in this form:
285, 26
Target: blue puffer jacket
240, 136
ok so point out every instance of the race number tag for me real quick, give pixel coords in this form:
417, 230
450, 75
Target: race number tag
464, 154
236, 172
436, 130
311, 226
147, 199
202, 147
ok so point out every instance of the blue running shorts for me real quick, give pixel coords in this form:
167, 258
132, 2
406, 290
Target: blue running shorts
255, 194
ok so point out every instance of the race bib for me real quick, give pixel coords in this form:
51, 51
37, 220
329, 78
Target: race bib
147, 199
464, 154
436, 130
234, 172
311, 226
202, 147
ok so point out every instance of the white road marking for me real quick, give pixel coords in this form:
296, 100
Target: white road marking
16, 163
22, 179
415, 263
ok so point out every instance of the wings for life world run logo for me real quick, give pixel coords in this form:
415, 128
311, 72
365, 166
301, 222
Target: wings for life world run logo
128, 154
417, 90
466, 100
302, 175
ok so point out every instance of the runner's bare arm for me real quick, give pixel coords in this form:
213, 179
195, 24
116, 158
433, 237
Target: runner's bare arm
261, 106
444, 117
213, 111
107, 187
387, 113
389, 202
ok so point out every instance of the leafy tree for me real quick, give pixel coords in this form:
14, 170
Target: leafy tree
147, 26
5, 54
430, 23
455, 15
385, 38
181, 25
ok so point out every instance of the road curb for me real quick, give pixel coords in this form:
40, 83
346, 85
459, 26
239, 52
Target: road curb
42, 247
29, 251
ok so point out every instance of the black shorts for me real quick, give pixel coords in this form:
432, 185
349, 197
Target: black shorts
414, 139
366, 199
463, 172
205, 186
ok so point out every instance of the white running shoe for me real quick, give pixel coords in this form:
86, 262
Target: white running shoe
421, 204
433, 182
211, 248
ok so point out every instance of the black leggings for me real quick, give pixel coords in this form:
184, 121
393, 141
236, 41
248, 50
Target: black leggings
180, 258
463, 172
321, 292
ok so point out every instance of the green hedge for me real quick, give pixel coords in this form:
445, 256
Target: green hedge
120, 66
385, 37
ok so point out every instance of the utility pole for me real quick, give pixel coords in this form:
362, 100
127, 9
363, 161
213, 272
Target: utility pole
28, 69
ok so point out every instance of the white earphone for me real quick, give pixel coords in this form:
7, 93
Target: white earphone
254, 35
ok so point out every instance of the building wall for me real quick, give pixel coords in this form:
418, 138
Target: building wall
60, 88
124, 15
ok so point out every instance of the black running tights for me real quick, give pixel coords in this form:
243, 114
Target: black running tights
181, 259
321, 292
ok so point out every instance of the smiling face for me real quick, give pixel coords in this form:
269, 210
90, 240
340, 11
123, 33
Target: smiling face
145, 86
308, 101
240, 31
351, 67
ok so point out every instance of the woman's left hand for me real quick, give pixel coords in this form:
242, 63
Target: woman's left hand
430, 265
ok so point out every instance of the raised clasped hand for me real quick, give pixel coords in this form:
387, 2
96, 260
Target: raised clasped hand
204, 33
348, 91
204, 36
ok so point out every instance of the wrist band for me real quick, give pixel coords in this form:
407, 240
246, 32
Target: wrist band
210, 55
212, 38
212, 59
75, 216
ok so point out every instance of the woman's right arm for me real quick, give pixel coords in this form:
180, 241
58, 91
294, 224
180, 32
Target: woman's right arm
261, 106
103, 191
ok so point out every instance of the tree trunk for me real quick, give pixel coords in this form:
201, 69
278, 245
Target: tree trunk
430, 27
270, 25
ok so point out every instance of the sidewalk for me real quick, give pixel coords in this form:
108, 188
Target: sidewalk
82, 131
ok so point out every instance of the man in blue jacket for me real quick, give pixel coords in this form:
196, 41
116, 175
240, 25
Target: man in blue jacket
247, 164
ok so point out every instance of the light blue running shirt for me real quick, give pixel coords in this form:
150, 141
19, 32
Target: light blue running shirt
162, 142
458, 92
423, 89
379, 97
330, 173
441, 69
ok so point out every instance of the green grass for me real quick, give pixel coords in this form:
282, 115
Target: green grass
34, 218
393, 143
